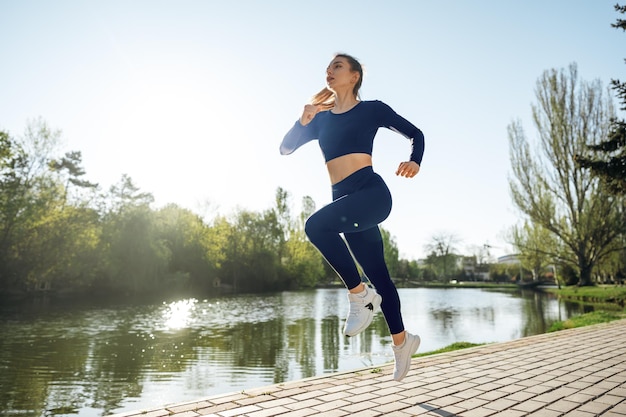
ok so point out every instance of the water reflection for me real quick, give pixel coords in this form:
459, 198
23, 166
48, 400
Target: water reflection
178, 314
89, 361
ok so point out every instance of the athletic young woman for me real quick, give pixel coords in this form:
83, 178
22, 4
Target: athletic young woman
345, 128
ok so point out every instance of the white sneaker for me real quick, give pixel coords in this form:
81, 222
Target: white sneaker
361, 311
403, 355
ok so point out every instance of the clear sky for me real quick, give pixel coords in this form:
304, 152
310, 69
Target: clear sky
192, 98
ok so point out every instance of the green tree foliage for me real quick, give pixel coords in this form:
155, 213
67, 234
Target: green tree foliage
550, 189
40, 240
391, 252
409, 270
70, 171
191, 247
59, 232
607, 158
303, 265
12, 205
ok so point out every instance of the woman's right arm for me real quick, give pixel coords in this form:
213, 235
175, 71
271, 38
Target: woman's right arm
303, 131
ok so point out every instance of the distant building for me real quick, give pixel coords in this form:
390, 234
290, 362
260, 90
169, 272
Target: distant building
509, 259
471, 270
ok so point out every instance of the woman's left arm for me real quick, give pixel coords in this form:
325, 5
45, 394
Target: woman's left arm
397, 123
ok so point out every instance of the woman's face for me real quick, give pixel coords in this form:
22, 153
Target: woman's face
339, 74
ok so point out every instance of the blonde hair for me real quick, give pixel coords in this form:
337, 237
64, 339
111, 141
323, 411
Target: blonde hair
326, 98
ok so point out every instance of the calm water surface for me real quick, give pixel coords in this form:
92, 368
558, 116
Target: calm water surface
60, 359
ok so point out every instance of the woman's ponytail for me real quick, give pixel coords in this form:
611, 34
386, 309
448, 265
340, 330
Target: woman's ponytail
325, 99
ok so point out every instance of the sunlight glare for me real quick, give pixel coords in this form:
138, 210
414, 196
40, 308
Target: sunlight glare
179, 313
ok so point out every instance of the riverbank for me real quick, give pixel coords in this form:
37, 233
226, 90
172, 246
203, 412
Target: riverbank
608, 296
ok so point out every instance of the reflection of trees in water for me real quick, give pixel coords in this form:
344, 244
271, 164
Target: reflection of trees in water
330, 342
534, 308
445, 317
301, 341
43, 363
55, 369
537, 317
251, 344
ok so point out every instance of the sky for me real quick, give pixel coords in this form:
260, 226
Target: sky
191, 98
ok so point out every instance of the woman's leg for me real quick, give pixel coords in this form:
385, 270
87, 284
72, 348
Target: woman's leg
361, 210
367, 247
356, 213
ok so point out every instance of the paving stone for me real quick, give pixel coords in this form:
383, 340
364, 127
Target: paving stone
478, 412
359, 406
335, 413
389, 407
520, 396
300, 413
610, 413
577, 413
188, 407
471, 404
511, 413
620, 408
310, 403
240, 411
332, 405
529, 406
562, 406
595, 407
544, 413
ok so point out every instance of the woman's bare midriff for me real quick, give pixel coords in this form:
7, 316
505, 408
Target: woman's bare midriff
343, 166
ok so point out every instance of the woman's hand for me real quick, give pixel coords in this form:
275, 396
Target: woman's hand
408, 169
308, 114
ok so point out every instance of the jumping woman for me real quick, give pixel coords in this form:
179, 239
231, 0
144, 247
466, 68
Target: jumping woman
344, 127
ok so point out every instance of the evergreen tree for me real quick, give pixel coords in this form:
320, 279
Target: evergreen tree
607, 159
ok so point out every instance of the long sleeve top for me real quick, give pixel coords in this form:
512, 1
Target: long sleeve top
353, 131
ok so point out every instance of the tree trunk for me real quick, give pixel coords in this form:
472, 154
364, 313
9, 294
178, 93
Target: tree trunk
585, 275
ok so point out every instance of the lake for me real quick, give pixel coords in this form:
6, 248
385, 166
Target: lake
90, 360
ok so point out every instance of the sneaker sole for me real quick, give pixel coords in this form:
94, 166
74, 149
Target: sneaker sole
415, 344
376, 301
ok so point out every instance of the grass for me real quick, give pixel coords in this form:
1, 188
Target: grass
598, 294
608, 301
587, 319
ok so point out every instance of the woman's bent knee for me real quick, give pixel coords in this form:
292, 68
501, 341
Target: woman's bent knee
312, 228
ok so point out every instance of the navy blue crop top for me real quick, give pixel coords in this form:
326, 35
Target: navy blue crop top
352, 131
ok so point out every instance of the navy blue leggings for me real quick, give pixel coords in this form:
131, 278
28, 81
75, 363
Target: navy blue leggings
360, 203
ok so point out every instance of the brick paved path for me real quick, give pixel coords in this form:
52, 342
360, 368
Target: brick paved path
578, 372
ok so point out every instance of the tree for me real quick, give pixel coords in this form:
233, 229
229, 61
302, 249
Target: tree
125, 194
303, 264
547, 185
391, 252
442, 254
70, 170
607, 159
13, 193
135, 260
29, 198
535, 245
192, 262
